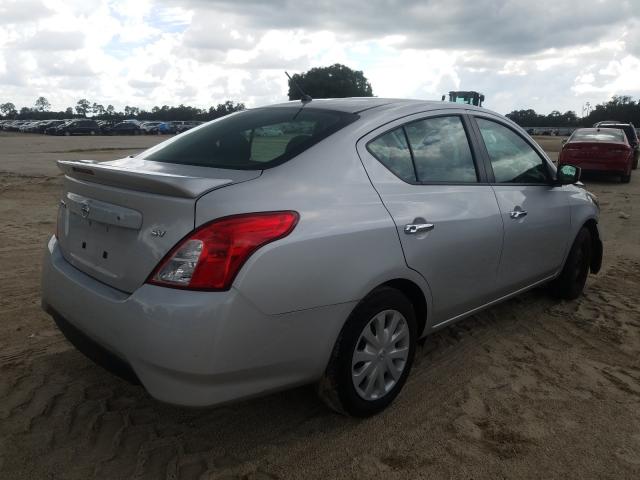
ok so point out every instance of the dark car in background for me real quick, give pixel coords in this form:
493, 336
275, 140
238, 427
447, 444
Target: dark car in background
123, 128
51, 129
184, 126
43, 126
106, 125
167, 128
75, 127
604, 150
14, 126
150, 128
631, 134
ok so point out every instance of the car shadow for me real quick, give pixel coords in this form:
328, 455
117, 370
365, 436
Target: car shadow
114, 429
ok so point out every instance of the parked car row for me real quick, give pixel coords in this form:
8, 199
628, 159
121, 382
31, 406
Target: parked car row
83, 126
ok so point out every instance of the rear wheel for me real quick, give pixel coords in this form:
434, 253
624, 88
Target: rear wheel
625, 178
570, 283
372, 356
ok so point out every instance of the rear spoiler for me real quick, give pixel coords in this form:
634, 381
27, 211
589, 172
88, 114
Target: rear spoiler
154, 180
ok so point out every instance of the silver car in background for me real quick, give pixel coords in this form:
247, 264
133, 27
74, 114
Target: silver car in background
309, 243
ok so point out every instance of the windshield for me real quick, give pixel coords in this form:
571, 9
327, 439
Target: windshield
253, 139
598, 135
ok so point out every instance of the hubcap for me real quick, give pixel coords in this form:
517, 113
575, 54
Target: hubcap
381, 355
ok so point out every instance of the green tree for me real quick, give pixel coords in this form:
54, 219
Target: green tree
223, 109
83, 106
131, 111
97, 109
8, 109
335, 81
42, 104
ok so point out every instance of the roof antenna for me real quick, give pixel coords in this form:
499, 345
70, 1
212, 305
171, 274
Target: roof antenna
304, 98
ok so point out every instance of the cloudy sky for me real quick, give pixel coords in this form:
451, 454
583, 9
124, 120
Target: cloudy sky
541, 54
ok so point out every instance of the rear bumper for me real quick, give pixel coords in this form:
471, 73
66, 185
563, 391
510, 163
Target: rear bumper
189, 348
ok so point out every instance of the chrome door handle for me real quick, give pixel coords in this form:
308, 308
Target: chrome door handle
518, 213
411, 228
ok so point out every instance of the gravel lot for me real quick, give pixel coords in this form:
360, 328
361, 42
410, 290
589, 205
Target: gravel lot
532, 388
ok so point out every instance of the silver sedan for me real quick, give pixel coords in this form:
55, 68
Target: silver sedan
309, 243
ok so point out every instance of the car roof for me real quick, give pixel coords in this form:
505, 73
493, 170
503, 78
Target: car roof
361, 104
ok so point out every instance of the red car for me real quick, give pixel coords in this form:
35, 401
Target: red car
599, 150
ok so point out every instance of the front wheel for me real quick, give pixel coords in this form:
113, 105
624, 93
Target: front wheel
571, 281
372, 356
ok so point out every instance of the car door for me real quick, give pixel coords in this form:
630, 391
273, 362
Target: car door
535, 211
445, 212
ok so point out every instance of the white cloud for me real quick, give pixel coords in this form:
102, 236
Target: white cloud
521, 54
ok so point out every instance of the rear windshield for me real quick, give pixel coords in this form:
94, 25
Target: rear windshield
603, 135
253, 139
626, 128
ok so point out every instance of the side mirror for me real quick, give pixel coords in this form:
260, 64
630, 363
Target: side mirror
568, 174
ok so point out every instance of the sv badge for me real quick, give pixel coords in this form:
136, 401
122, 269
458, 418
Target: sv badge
158, 233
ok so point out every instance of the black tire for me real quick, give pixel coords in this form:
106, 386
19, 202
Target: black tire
337, 388
625, 178
571, 281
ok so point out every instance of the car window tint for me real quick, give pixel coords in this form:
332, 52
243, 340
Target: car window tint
253, 139
441, 150
271, 141
513, 160
392, 150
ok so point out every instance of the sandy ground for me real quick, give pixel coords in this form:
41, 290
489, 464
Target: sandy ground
533, 388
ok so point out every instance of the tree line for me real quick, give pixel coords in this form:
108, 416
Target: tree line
41, 110
334, 81
621, 108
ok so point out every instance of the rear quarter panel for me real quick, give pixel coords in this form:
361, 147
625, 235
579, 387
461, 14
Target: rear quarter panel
345, 243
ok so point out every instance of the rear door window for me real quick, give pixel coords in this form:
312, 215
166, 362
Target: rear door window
433, 150
441, 150
392, 150
252, 140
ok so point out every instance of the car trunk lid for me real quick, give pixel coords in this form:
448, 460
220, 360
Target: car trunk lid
118, 219
595, 151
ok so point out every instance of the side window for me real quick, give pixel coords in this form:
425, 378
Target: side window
441, 150
392, 151
513, 160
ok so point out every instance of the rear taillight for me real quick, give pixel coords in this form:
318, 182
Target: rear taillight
210, 257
